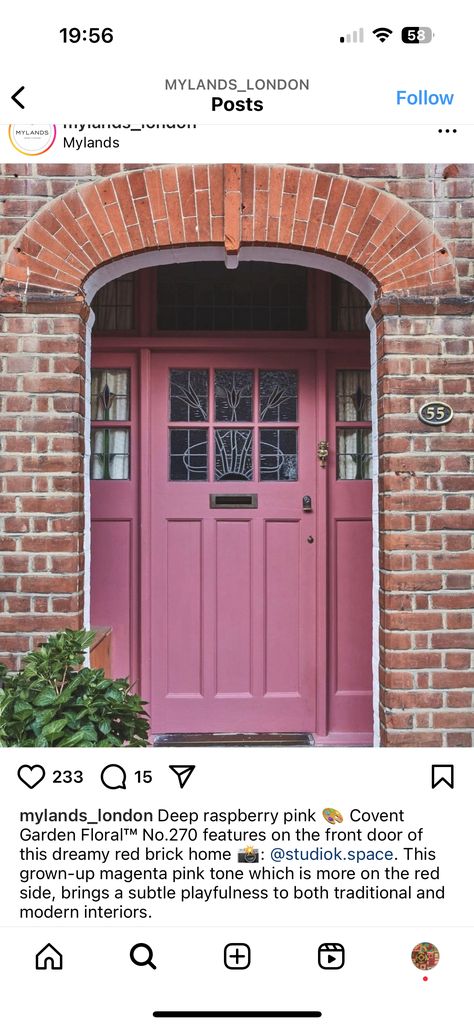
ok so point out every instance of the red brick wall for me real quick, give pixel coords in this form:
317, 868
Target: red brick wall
443, 194
426, 526
41, 465
423, 313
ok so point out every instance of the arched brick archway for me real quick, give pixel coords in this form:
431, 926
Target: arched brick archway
420, 322
233, 205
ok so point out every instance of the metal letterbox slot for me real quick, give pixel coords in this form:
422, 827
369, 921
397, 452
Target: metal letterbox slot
225, 502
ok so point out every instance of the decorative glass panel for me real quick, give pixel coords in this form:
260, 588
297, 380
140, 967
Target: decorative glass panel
233, 391
278, 395
233, 454
278, 454
349, 307
354, 453
110, 395
255, 296
189, 390
353, 396
188, 454
114, 305
110, 454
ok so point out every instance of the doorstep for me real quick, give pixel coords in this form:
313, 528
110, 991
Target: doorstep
238, 738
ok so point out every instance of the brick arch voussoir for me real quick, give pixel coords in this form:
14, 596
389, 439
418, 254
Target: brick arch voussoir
232, 205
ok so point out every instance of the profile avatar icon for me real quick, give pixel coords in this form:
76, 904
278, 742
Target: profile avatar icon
425, 956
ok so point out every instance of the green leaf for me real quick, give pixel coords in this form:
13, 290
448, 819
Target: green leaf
43, 718
46, 697
78, 738
54, 728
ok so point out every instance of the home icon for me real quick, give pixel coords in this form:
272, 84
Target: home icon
49, 958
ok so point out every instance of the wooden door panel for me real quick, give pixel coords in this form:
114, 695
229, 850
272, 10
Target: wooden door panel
234, 614
183, 603
282, 562
349, 602
353, 600
115, 535
111, 561
242, 583
351, 705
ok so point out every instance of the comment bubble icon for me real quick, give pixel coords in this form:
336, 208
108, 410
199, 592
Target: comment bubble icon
113, 776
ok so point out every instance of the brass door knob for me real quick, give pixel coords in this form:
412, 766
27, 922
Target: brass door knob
323, 452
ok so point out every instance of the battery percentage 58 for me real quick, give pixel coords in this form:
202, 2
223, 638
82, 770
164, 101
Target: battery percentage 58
417, 34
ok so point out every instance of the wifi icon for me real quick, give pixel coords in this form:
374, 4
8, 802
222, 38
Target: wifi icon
382, 34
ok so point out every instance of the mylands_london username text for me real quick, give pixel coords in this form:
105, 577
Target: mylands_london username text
217, 86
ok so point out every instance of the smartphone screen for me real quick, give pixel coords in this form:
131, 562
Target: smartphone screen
236, 420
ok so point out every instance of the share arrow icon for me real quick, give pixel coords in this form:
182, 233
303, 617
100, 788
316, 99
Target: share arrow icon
182, 773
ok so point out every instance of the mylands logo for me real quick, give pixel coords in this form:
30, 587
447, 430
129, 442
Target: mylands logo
32, 140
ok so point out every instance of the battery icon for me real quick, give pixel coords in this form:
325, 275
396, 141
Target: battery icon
417, 34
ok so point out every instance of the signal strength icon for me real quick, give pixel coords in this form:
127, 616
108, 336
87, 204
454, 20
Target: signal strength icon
357, 36
382, 34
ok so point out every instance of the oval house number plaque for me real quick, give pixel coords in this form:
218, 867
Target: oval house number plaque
435, 413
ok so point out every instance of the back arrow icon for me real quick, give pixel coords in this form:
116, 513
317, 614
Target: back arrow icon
15, 97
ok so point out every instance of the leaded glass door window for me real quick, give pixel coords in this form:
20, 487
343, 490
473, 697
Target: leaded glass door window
110, 415
353, 425
233, 424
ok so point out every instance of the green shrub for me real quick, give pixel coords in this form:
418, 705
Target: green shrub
55, 701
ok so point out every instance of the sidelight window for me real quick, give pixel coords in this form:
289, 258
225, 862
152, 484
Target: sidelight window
110, 446
353, 425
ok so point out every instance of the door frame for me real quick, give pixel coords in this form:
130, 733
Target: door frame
144, 345
143, 349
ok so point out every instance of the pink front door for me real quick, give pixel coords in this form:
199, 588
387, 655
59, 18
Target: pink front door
233, 560
236, 604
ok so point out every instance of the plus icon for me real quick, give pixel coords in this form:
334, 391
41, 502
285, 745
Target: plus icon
237, 955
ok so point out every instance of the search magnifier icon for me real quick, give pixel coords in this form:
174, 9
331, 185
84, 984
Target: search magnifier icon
142, 955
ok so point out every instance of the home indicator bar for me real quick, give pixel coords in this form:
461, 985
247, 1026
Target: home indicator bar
299, 1013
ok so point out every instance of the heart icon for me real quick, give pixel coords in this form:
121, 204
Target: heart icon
31, 776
